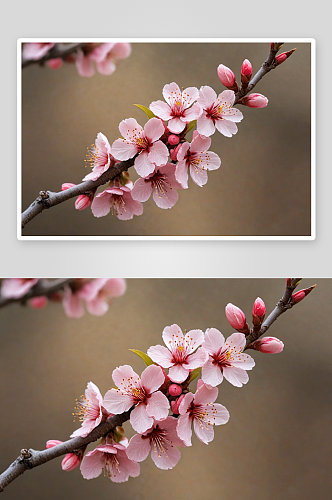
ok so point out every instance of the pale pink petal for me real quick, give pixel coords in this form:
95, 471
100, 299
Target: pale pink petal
207, 97
91, 289
206, 394
169, 171
123, 150
189, 95
92, 464
170, 425
232, 114
205, 125
72, 304
226, 128
171, 336
16, 287
176, 125
124, 376
161, 109
167, 199
219, 414
236, 341
138, 448
209, 160
142, 190
172, 93
228, 97
131, 208
243, 361
192, 113
106, 67
197, 359
101, 204
92, 392
178, 373
84, 65
181, 173
185, 403
211, 373
236, 376
158, 153
200, 143
143, 165
121, 50
182, 151
194, 338
213, 340
159, 354
158, 406
129, 129
152, 378
184, 429
140, 419
154, 129
117, 402
199, 176
205, 433
35, 51
125, 469
97, 307
168, 459
99, 53
115, 287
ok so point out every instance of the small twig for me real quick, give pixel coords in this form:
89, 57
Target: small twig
30, 458
265, 68
42, 287
58, 50
282, 306
48, 199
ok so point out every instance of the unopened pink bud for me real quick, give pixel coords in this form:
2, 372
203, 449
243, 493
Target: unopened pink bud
246, 68
259, 308
67, 185
52, 442
226, 76
176, 404
38, 302
82, 202
282, 57
255, 101
174, 152
70, 462
235, 316
298, 296
175, 390
268, 345
173, 139
55, 63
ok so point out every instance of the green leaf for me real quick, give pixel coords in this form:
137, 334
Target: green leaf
147, 360
194, 374
146, 110
191, 125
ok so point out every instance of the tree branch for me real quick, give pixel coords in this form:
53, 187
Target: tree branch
30, 458
48, 199
267, 66
42, 287
282, 306
59, 50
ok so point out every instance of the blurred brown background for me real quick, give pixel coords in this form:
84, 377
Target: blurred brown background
277, 443
263, 185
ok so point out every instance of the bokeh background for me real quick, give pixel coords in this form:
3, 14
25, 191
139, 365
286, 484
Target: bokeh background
262, 187
277, 442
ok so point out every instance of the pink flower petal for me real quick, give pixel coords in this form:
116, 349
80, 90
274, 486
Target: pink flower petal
236, 341
194, 339
130, 129
205, 433
124, 468
115, 287
226, 128
117, 402
171, 334
166, 460
213, 340
176, 125
143, 165
227, 96
97, 307
185, 403
183, 151
206, 394
106, 67
124, 377
207, 97
220, 414
158, 153
131, 208
138, 448
140, 419
178, 373
172, 93
211, 373
101, 204
152, 378
121, 50
199, 176
161, 109
197, 359
142, 190
181, 173
189, 95
92, 464
84, 65
192, 113
235, 376
167, 199
243, 361
158, 406
159, 354
72, 304
184, 429
123, 150
205, 125
154, 129
200, 143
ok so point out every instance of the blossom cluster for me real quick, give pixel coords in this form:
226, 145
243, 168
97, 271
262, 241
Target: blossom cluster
96, 294
104, 56
163, 156
164, 411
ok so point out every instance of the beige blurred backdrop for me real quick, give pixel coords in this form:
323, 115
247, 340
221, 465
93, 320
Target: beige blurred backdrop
262, 187
277, 442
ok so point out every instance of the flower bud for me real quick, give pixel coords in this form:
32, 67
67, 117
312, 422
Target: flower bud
175, 390
259, 308
173, 139
52, 442
268, 345
254, 101
235, 316
301, 294
282, 57
175, 405
83, 201
70, 462
227, 77
38, 302
246, 68
67, 185
174, 152
54, 63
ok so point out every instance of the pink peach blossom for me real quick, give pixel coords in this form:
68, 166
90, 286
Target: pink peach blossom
151, 152
71, 460
200, 409
99, 157
90, 410
198, 159
113, 459
178, 108
106, 56
99, 292
118, 200
149, 403
225, 359
217, 112
162, 184
55, 63
179, 356
15, 288
35, 51
38, 302
161, 440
